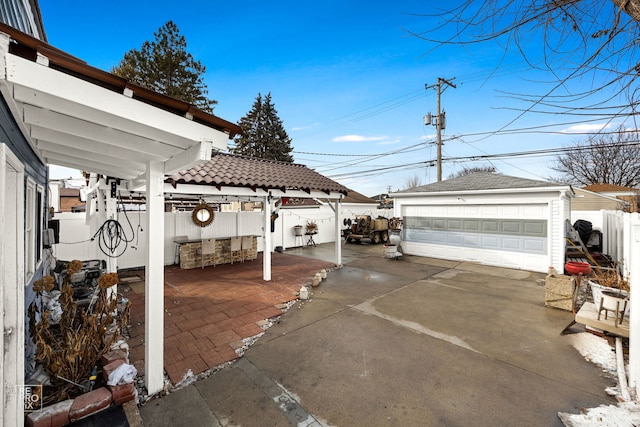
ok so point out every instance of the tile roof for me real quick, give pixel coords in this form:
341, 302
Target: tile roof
480, 181
239, 171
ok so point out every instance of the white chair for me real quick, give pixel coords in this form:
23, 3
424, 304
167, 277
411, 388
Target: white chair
247, 246
208, 248
236, 249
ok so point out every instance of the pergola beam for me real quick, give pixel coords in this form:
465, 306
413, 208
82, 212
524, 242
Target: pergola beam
196, 154
211, 190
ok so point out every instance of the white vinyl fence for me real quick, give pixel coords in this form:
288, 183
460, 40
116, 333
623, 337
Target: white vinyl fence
76, 243
621, 240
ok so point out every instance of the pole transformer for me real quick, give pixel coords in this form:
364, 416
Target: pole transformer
439, 120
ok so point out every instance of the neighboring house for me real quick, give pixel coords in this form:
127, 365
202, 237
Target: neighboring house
488, 218
355, 197
384, 201
627, 195
64, 199
588, 200
588, 205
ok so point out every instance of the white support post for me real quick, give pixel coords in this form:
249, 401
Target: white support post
154, 280
266, 254
336, 212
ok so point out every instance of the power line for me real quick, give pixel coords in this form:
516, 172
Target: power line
529, 153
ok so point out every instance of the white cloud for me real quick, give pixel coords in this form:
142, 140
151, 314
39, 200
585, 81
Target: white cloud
586, 128
358, 138
299, 128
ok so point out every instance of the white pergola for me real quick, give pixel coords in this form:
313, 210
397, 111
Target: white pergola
77, 116
269, 198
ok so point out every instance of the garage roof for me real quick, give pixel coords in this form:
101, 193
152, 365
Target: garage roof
481, 181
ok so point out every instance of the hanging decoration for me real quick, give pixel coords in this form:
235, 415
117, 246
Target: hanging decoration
202, 215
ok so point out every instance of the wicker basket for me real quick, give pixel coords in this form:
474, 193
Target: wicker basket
560, 291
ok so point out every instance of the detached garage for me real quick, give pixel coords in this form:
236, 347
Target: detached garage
487, 218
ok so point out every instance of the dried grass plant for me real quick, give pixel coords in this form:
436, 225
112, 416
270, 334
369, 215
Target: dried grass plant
610, 278
69, 350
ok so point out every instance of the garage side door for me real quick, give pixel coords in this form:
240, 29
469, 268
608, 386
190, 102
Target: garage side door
513, 236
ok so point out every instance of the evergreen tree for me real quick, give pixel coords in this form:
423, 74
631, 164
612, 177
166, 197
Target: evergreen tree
165, 66
263, 134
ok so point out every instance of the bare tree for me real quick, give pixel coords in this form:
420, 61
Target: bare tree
412, 182
602, 159
591, 40
469, 171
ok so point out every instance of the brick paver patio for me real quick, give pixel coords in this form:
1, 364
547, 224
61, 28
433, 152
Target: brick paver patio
208, 312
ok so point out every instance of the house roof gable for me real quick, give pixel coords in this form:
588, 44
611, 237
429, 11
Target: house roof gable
608, 188
480, 181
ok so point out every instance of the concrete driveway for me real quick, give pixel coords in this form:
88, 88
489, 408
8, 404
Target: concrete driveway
413, 342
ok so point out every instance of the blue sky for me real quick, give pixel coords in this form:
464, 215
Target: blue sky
346, 77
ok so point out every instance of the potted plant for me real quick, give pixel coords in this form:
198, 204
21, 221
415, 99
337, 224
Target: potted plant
312, 227
608, 282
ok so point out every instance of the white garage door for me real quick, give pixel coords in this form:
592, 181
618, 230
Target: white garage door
513, 236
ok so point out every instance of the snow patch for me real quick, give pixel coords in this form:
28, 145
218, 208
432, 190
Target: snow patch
187, 379
598, 350
623, 415
595, 349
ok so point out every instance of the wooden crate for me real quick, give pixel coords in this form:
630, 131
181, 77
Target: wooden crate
559, 291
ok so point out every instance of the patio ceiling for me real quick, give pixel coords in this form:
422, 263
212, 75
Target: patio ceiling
80, 117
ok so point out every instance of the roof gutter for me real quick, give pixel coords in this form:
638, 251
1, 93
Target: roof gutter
567, 189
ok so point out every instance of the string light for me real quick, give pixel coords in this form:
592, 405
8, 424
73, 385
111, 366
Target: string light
331, 218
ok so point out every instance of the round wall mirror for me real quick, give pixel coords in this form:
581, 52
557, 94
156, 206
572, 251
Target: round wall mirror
202, 215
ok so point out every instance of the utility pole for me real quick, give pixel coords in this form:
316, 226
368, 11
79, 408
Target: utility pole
439, 122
